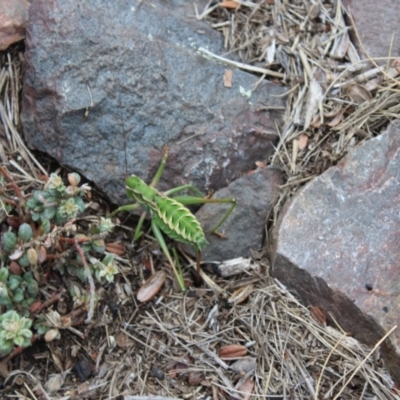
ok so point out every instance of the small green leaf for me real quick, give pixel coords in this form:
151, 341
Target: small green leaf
24, 261
14, 281
32, 203
5, 345
49, 213
79, 203
9, 241
36, 216
3, 274
33, 288
98, 246
45, 226
25, 232
18, 295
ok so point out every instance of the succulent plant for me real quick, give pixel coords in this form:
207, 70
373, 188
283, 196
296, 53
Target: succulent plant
10, 241
106, 225
17, 291
80, 296
41, 325
14, 331
106, 269
25, 232
49, 209
58, 202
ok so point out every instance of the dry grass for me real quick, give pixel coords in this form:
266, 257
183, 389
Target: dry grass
170, 347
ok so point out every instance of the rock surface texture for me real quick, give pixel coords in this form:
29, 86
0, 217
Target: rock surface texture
244, 228
13, 20
337, 243
108, 85
377, 22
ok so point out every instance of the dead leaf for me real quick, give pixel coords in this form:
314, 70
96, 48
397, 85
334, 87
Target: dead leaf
372, 84
42, 255
245, 364
318, 315
16, 254
260, 164
54, 383
4, 371
151, 286
303, 141
358, 94
228, 78
232, 351
230, 4
333, 112
123, 341
335, 121
241, 294
14, 268
396, 63
35, 307
13, 221
314, 97
246, 388
314, 11
195, 378
316, 122
115, 248
51, 335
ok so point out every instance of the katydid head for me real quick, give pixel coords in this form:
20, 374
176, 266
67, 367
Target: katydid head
139, 191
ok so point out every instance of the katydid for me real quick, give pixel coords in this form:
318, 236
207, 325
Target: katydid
170, 215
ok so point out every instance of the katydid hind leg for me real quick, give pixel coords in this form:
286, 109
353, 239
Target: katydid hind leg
161, 241
190, 200
185, 187
138, 231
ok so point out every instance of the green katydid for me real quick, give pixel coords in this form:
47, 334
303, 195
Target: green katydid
170, 215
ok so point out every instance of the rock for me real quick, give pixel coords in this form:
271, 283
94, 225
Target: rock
244, 228
376, 22
105, 101
337, 243
13, 20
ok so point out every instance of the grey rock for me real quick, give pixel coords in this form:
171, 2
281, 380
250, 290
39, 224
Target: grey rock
244, 228
337, 243
107, 85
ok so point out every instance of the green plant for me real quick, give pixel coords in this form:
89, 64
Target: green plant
104, 270
17, 292
57, 202
46, 232
14, 331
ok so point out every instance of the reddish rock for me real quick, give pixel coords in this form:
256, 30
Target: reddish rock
336, 246
376, 23
13, 20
